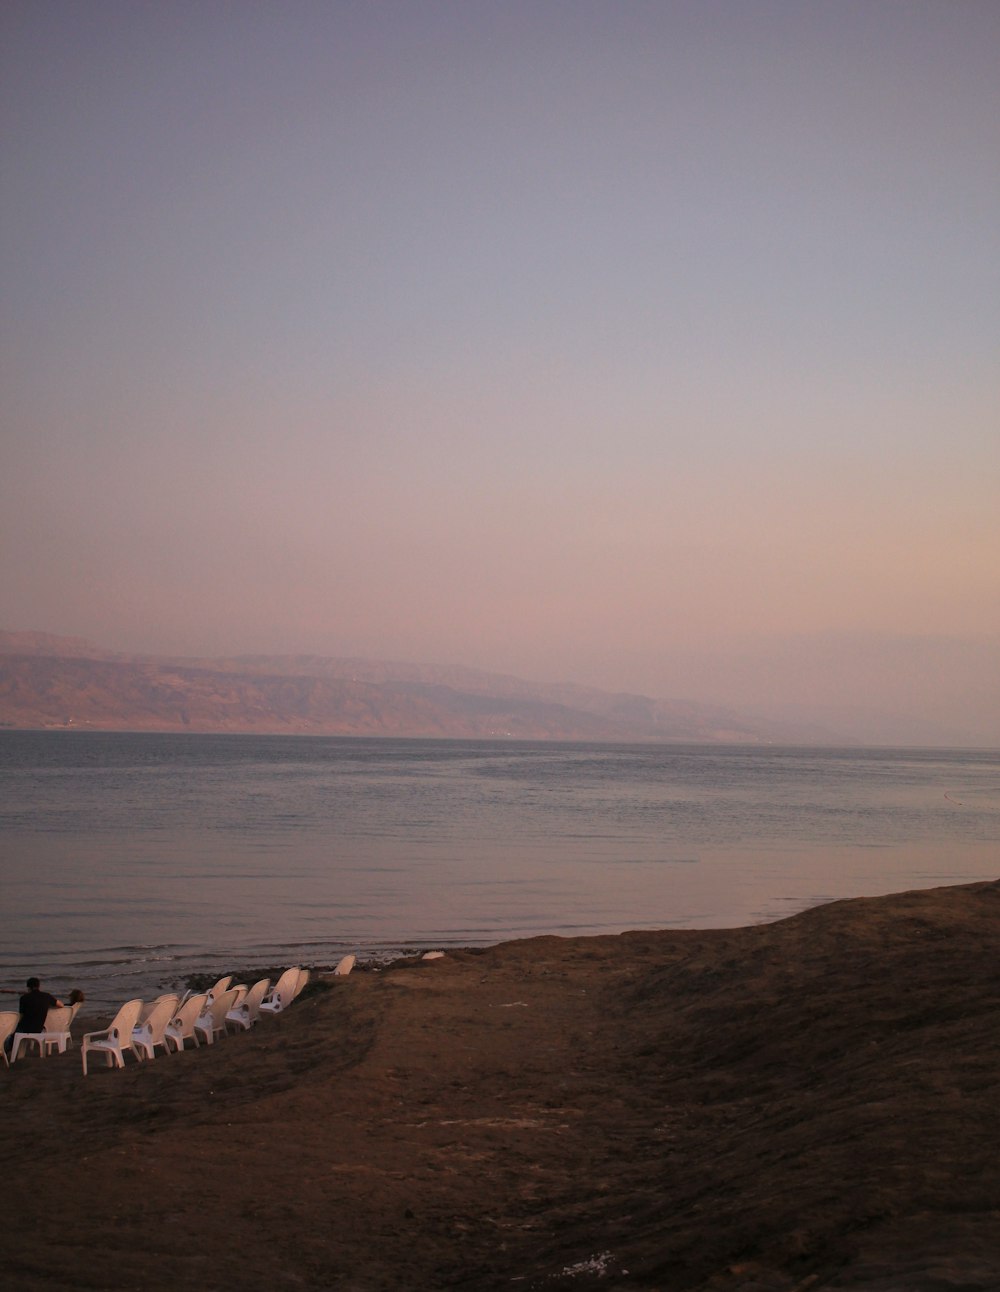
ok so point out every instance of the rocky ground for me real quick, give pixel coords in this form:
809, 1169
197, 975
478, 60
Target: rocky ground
812, 1104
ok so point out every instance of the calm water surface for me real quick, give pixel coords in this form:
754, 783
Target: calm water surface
128, 861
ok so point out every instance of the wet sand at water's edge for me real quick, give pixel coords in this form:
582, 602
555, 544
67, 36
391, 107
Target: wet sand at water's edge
808, 1104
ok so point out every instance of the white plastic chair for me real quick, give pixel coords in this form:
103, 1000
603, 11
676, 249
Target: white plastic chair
114, 1039
8, 1026
344, 966
25, 1040
212, 1022
244, 1013
283, 992
300, 982
57, 1024
181, 1026
150, 1031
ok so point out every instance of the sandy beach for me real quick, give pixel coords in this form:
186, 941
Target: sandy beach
813, 1103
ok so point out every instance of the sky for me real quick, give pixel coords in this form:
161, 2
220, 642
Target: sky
650, 346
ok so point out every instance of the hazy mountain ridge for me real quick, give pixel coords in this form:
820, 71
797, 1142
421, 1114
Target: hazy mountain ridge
635, 711
55, 682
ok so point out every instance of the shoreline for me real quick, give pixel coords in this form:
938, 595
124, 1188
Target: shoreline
813, 1102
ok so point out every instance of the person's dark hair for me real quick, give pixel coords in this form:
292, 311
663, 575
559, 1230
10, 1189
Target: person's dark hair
76, 996
32, 984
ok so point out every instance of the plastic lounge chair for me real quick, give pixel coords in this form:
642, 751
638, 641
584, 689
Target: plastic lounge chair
303, 978
212, 1022
283, 994
53, 1036
150, 1031
181, 1026
8, 1026
344, 966
57, 1024
114, 1039
244, 1013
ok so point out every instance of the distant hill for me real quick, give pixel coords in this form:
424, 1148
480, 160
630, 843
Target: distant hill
65, 682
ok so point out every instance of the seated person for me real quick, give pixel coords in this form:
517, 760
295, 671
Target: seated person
34, 1005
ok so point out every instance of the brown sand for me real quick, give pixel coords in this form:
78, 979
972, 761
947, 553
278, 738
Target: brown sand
803, 1105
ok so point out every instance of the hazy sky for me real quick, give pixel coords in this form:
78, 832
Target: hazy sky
648, 345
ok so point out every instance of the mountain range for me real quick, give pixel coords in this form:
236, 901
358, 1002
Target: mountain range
48, 681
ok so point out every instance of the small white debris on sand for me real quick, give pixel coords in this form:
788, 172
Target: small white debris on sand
592, 1265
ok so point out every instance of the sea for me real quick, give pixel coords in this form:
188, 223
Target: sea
129, 862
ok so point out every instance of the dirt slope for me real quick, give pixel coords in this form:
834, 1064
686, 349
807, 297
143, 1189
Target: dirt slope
808, 1104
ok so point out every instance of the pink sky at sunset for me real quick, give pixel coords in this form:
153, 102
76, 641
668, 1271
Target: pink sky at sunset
649, 346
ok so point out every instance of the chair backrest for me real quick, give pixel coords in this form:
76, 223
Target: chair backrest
126, 1019
220, 987
59, 1019
8, 1026
286, 985
254, 996
221, 1006
184, 1019
300, 982
345, 966
150, 1005
155, 1022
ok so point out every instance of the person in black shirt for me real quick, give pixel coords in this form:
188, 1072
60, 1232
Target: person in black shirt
35, 1004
